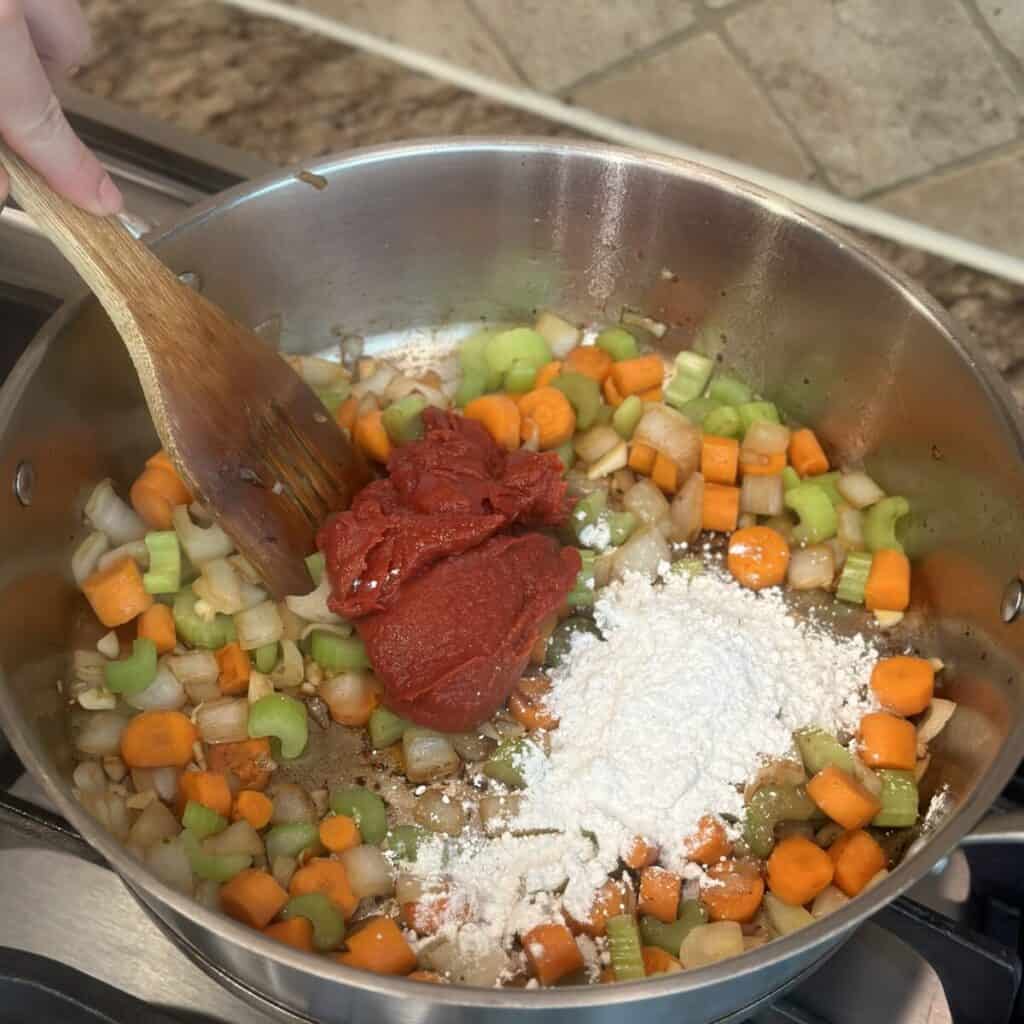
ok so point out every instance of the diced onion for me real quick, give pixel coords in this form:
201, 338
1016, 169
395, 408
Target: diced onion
238, 837
313, 606
621, 481
162, 781
428, 755
292, 624
165, 693
859, 489
610, 462
201, 544
829, 900
107, 513
219, 587
595, 442
672, 434
350, 697
376, 383
409, 888
207, 893
866, 777
811, 568
562, 337
169, 862
136, 550
438, 812
291, 803
89, 775
100, 732
762, 495
194, 667
289, 670
645, 500
766, 438
850, 528
473, 746
85, 561
497, 811
88, 667
156, 822
784, 917
109, 809
245, 569
225, 720
939, 712
709, 943
688, 510
199, 693
319, 374
282, 868
643, 553
259, 626
260, 686
603, 570
369, 871
108, 645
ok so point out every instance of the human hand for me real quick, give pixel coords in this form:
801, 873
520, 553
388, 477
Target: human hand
43, 41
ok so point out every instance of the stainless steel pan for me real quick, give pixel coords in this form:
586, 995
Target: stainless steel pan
390, 239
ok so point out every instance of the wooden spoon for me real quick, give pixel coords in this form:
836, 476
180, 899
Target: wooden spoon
248, 435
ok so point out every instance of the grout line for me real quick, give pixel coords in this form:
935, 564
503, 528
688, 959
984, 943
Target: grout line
1007, 61
496, 37
852, 214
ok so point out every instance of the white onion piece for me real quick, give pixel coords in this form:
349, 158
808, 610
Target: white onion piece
762, 495
473, 746
428, 755
313, 606
811, 568
838, 549
784, 917
165, 693
251, 595
766, 438
687, 514
162, 781
376, 383
194, 667
643, 553
201, 544
610, 462
859, 489
292, 624
409, 888
108, 645
595, 442
155, 823
89, 775
100, 733
245, 569
109, 809
224, 720
645, 500
369, 872
348, 696
850, 527
497, 811
260, 686
85, 561
672, 434
319, 374
829, 900
437, 812
107, 513
621, 481
866, 777
282, 868
238, 837
562, 337
219, 586
88, 667
603, 569
169, 862
291, 803
289, 670
709, 943
259, 626
207, 893
934, 720
136, 550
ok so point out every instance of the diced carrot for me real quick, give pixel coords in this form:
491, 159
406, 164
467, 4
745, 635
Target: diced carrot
321, 874
732, 890
528, 707
428, 976
248, 760
657, 961
709, 843
499, 416
253, 807
641, 458
207, 788
339, 832
842, 797
719, 459
721, 508
903, 684
758, 556
371, 436
252, 897
156, 623
631, 376
428, 914
296, 932
116, 593
885, 741
234, 670
806, 455
547, 373
754, 464
548, 412
888, 586
665, 474
551, 952
590, 361
611, 393
651, 395
347, 413
798, 870
857, 858
639, 854
378, 946
157, 490
659, 893
158, 739
611, 900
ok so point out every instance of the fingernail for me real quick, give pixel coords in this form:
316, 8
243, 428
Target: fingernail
109, 196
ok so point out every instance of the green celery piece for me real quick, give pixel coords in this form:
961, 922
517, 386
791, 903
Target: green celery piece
197, 632
584, 394
315, 566
687, 566
333, 397
757, 412
201, 821
403, 420
567, 453
335, 653
561, 638
385, 728
503, 764
618, 343
854, 577
723, 422
132, 675
403, 841
669, 937
588, 510
221, 867
472, 359
290, 839
818, 749
365, 808
692, 373
790, 478
472, 384
627, 416
697, 409
827, 482
729, 390
624, 948
520, 377
880, 523
621, 526
327, 920
770, 805
604, 413
519, 344
164, 575
818, 518
899, 799
265, 657
282, 716
583, 590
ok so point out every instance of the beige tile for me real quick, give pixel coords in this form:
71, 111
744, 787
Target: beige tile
557, 42
879, 91
442, 28
983, 202
1006, 19
696, 92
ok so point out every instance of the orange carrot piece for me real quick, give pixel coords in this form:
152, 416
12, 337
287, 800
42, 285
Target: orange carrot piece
590, 361
296, 932
842, 797
527, 705
428, 976
339, 832
721, 508
642, 458
548, 412
247, 760
547, 373
611, 900
806, 455
732, 891
158, 739
371, 436
657, 961
903, 684
888, 586
798, 870
116, 593
156, 623
207, 788
665, 474
753, 464
321, 874
155, 493
234, 670
651, 395
857, 858
500, 417
551, 952
253, 807
719, 459
253, 897
347, 413
378, 946
758, 557
886, 741
709, 843
611, 393
631, 376
659, 893
640, 854
428, 914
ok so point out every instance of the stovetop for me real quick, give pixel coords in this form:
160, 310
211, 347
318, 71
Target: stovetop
76, 947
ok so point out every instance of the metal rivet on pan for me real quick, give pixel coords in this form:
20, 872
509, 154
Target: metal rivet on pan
24, 481
193, 280
1013, 600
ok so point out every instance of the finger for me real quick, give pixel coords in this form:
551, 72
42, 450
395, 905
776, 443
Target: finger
60, 33
35, 127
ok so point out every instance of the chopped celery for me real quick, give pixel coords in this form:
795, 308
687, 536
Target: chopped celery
335, 653
723, 422
757, 412
669, 937
220, 867
385, 728
819, 749
818, 518
403, 420
196, 631
899, 799
827, 482
472, 384
854, 577
584, 394
291, 839
164, 575
315, 566
521, 344
620, 526
265, 657
692, 373
333, 398
627, 416
403, 841
282, 716
624, 948
730, 390
503, 764
561, 639
132, 675
770, 805
365, 808
521, 377
567, 453
327, 920
696, 410
880, 523
201, 821
583, 590
790, 478
618, 343
589, 510
688, 566
472, 355
604, 414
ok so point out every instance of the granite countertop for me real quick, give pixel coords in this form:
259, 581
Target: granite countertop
285, 95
